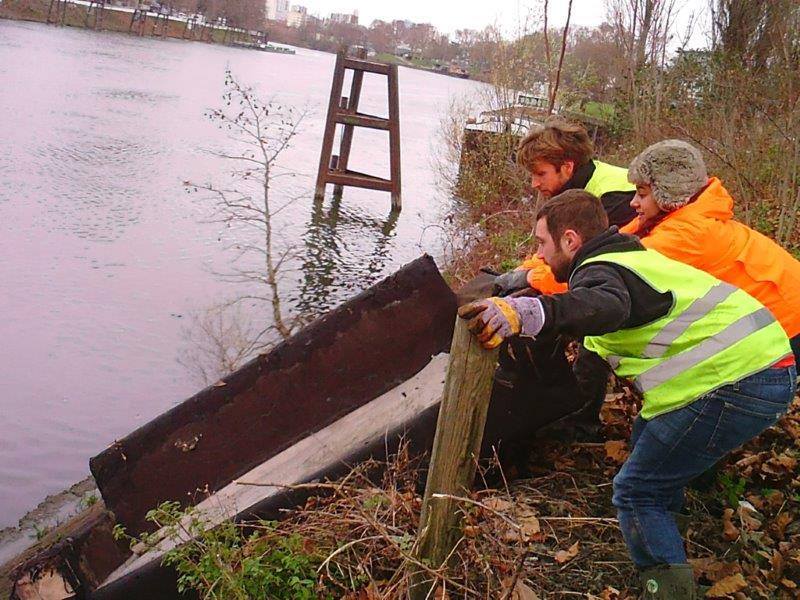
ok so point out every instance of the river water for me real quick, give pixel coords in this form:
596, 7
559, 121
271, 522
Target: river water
107, 262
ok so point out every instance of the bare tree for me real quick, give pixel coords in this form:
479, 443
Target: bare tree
560, 60
261, 131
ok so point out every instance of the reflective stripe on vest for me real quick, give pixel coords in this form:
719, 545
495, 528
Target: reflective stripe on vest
713, 335
698, 309
708, 348
608, 178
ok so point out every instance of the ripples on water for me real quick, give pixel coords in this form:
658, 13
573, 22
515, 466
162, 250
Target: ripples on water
105, 258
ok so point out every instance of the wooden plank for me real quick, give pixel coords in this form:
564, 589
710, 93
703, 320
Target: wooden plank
366, 65
360, 120
456, 447
356, 352
394, 137
330, 126
360, 180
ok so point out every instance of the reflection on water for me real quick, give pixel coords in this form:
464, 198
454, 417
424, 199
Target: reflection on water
103, 255
332, 270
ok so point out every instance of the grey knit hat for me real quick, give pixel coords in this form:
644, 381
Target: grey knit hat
674, 169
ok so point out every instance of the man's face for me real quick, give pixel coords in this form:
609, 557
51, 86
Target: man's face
556, 254
548, 179
644, 204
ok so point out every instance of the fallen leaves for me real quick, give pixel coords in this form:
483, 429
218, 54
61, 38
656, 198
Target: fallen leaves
780, 524
564, 556
529, 530
726, 586
616, 451
748, 516
521, 590
729, 531
497, 504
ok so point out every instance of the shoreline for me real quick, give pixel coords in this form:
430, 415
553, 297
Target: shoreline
118, 19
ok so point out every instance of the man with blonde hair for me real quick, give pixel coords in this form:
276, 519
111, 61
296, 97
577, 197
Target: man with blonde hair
559, 157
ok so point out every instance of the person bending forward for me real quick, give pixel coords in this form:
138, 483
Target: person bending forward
706, 357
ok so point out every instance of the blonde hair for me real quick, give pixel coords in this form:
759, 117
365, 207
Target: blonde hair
555, 142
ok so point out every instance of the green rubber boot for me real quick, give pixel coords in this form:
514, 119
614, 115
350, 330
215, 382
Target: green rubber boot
669, 582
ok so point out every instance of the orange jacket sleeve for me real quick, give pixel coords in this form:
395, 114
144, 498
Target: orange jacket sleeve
541, 277
691, 244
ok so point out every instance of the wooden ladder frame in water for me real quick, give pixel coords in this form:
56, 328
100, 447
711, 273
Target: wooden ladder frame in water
341, 110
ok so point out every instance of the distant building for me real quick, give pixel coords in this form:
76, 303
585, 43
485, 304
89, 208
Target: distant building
277, 10
297, 17
349, 19
402, 24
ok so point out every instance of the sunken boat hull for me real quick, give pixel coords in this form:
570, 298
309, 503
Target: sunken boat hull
348, 387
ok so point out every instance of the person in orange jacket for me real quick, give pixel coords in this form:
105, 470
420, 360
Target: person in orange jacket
688, 216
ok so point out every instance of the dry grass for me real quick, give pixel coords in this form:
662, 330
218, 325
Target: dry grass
553, 533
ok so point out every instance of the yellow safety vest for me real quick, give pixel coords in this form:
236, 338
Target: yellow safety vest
713, 335
608, 178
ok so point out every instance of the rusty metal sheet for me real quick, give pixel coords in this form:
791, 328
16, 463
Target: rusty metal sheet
155, 581
355, 353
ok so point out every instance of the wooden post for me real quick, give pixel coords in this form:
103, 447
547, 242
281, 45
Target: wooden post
330, 126
50, 10
394, 137
459, 432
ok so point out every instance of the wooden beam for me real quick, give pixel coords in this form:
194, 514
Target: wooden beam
459, 432
368, 66
394, 136
361, 180
360, 120
302, 462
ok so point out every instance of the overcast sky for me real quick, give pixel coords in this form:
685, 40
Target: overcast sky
449, 15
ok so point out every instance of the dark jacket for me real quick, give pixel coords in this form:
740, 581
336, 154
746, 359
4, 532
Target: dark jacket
616, 204
603, 297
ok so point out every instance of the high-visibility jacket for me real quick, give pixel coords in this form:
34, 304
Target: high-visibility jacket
714, 334
705, 235
606, 178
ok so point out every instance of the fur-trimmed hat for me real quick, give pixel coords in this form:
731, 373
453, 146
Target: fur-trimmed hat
674, 170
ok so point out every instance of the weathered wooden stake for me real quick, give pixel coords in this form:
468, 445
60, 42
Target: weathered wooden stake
459, 432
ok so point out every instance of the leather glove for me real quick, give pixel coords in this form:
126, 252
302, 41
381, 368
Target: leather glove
510, 282
495, 319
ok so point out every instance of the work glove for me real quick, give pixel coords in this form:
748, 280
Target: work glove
493, 320
510, 282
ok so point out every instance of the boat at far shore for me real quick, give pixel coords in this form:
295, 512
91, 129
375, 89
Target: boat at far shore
265, 47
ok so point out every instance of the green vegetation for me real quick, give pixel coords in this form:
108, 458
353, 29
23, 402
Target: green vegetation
604, 111
386, 57
731, 488
233, 561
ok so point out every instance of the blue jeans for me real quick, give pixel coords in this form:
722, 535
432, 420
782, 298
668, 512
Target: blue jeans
670, 450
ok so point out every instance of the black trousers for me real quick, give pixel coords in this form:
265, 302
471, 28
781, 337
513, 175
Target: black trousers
535, 386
